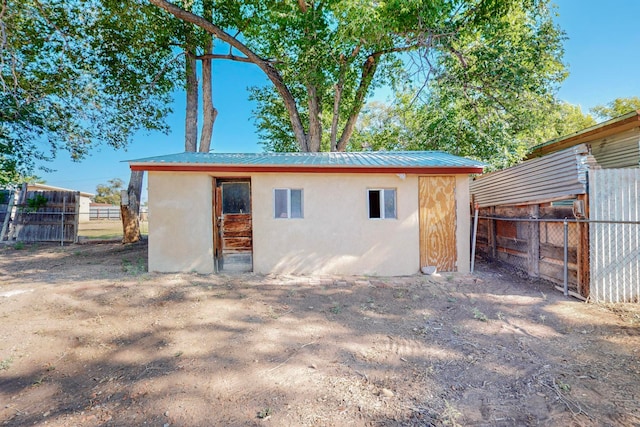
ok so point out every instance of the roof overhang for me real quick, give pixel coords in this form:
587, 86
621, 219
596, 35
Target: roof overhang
45, 187
601, 130
212, 168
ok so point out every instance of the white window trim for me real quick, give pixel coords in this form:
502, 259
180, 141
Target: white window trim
288, 190
382, 204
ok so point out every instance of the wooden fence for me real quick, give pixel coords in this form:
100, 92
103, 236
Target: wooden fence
45, 216
7, 198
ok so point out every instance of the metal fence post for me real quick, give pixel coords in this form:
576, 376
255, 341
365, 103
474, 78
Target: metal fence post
566, 258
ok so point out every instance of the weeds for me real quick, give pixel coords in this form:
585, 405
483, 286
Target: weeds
400, 293
450, 415
134, 270
265, 413
6, 364
18, 246
478, 315
336, 309
566, 388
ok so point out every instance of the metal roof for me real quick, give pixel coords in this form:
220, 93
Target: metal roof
601, 130
374, 159
562, 174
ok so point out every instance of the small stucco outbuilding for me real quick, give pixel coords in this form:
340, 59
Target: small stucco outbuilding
375, 213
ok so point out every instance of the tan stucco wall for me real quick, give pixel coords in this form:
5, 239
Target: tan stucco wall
334, 237
180, 223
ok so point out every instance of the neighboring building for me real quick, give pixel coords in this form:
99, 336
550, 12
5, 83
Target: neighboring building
375, 213
85, 198
592, 175
100, 211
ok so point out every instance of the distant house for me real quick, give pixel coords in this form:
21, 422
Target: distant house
592, 175
85, 198
375, 213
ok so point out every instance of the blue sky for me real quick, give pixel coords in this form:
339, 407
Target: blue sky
601, 53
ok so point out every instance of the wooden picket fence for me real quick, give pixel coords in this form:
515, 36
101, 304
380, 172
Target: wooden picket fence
53, 219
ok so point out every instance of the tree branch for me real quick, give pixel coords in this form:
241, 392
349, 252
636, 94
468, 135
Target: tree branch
271, 73
368, 71
230, 57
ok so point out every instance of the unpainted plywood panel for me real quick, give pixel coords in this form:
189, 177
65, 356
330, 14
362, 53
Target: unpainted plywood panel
438, 222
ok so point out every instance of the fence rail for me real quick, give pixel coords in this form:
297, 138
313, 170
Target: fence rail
104, 213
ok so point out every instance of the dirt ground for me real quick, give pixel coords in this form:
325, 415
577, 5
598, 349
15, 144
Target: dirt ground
88, 338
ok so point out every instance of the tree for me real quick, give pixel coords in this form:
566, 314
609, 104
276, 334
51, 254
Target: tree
616, 108
324, 58
58, 93
409, 124
110, 192
131, 28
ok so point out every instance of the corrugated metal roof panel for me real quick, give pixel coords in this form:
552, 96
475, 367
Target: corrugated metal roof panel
563, 173
351, 159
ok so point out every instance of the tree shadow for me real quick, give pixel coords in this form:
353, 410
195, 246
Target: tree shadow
293, 350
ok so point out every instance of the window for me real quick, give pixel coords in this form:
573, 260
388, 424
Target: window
382, 203
287, 203
236, 197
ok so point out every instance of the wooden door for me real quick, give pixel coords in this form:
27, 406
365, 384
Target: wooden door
438, 222
234, 243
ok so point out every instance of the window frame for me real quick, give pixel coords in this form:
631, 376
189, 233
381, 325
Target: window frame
381, 200
288, 198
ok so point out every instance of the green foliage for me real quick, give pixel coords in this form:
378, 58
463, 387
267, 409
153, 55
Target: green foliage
478, 315
265, 413
5, 364
411, 124
70, 83
35, 203
473, 76
616, 108
109, 193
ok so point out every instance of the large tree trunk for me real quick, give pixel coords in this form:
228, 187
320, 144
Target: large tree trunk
191, 120
315, 123
209, 111
130, 208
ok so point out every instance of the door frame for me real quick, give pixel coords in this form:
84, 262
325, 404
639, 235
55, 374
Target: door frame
431, 216
217, 215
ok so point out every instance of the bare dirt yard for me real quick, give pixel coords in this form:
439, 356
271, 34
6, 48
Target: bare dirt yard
89, 338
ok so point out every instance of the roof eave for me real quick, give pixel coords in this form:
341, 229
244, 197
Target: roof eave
601, 130
177, 167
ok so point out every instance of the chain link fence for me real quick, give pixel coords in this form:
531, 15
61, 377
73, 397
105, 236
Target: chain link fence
598, 260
